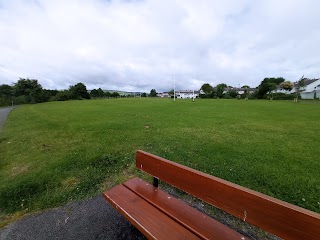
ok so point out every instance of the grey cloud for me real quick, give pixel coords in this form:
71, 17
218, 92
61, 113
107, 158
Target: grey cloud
139, 45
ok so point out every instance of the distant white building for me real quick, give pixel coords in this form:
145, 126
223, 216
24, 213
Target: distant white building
163, 95
180, 94
187, 94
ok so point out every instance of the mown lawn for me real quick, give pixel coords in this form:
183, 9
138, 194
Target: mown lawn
55, 152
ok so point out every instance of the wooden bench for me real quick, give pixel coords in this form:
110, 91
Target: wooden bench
159, 215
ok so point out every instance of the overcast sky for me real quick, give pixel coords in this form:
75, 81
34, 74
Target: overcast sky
138, 45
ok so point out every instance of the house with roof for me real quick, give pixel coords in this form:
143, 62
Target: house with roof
310, 90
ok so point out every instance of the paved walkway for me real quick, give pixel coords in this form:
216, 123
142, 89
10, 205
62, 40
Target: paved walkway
3, 115
90, 219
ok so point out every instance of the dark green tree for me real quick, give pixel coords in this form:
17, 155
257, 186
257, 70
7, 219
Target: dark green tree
206, 88
94, 93
6, 91
100, 93
6, 94
144, 95
232, 93
79, 91
97, 93
268, 85
62, 95
108, 94
29, 89
115, 95
47, 95
153, 93
220, 89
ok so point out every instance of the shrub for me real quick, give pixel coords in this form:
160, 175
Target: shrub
283, 96
62, 96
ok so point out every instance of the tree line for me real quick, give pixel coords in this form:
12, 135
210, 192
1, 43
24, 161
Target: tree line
263, 91
26, 91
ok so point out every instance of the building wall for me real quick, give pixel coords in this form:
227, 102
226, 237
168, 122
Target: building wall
187, 95
312, 86
307, 95
311, 91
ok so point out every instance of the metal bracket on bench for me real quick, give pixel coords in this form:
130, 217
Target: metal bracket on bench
155, 182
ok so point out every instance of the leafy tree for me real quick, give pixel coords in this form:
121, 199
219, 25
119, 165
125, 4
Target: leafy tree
25, 91
153, 93
108, 94
268, 85
115, 94
5, 94
79, 91
232, 93
62, 95
6, 91
100, 93
97, 93
245, 86
287, 85
144, 95
213, 93
207, 88
47, 95
29, 88
94, 93
220, 89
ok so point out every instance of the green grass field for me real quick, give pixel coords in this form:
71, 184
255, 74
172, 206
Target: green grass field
56, 152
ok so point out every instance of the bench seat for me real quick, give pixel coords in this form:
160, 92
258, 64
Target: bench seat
158, 215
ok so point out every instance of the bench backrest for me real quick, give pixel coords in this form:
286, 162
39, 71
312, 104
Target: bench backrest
272, 215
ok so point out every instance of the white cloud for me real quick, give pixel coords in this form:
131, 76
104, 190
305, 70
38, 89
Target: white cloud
138, 45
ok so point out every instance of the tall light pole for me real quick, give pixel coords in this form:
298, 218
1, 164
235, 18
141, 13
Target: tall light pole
193, 86
174, 86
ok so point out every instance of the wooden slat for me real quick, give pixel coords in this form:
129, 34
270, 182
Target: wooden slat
197, 222
153, 223
272, 215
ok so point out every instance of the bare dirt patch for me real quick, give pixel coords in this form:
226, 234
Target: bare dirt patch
17, 170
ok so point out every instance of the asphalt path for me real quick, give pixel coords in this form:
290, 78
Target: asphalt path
3, 114
94, 218
90, 219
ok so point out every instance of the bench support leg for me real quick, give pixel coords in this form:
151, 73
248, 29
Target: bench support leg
155, 182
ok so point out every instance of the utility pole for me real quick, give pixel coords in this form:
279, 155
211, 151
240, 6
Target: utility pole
174, 86
193, 86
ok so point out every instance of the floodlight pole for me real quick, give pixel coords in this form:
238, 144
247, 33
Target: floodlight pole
193, 86
174, 86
